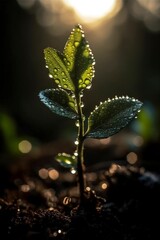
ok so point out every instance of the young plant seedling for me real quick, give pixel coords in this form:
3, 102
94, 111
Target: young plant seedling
73, 71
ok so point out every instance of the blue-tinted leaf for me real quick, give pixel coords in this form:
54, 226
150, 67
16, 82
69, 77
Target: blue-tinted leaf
79, 59
59, 102
57, 69
66, 160
111, 116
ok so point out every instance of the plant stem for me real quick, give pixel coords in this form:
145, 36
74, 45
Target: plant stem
80, 150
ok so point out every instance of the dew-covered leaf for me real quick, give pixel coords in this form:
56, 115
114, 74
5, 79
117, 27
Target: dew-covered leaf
111, 116
59, 102
79, 59
57, 69
66, 160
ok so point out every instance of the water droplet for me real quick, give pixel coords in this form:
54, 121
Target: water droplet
80, 81
81, 94
55, 76
76, 142
89, 86
87, 81
73, 170
46, 66
50, 75
67, 161
77, 123
64, 79
68, 63
73, 96
84, 85
65, 86
57, 81
55, 70
75, 153
82, 104
63, 73
76, 44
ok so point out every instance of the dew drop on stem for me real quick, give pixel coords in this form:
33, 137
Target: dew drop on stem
76, 153
77, 123
73, 171
76, 142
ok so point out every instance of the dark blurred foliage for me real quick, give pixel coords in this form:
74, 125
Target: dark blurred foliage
127, 53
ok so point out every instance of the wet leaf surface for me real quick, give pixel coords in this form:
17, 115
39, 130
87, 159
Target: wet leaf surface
111, 116
59, 102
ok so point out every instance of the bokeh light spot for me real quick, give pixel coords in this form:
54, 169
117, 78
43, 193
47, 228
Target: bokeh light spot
53, 174
132, 158
43, 173
25, 146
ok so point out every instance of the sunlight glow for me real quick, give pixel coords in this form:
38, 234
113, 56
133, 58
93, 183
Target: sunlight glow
89, 10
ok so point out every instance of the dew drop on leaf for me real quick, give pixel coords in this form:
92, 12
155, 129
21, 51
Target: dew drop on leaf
50, 75
87, 81
89, 86
76, 44
57, 81
65, 86
80, 81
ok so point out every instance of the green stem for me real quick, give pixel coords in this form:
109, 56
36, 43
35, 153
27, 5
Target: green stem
80, 150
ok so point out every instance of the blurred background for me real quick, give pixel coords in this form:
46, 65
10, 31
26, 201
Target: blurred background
124, 36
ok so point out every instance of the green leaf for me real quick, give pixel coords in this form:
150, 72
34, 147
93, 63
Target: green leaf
111, 116
79, 59
66, 160
57, 69
59, 102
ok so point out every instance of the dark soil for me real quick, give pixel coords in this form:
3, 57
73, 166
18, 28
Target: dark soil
126, 205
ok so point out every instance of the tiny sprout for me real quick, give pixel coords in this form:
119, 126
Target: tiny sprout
73, 71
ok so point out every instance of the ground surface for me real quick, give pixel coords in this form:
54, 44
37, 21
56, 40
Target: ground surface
127, 206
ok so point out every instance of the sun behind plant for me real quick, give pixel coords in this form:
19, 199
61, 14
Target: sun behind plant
73, 71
